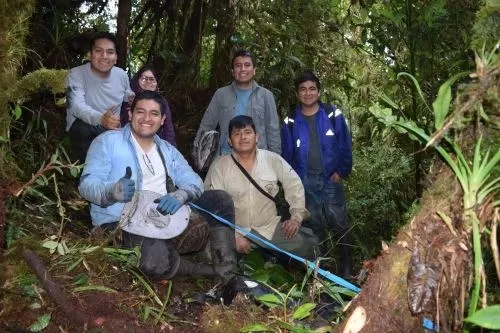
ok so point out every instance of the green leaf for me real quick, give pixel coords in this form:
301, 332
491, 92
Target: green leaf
417, 86
74, 172
441, 105
50, 244
17, 112
41, 323
270, 299
303, 311
60, 249
80, 279
257, 328
74, 265
94, 288
487, 317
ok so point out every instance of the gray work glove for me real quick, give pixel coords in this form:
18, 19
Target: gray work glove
171, 202
123, 190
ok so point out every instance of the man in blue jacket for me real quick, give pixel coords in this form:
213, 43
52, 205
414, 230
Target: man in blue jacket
139, 183
316, 142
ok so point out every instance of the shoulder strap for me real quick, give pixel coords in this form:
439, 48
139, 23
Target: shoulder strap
330, 112
169, 183
251, 179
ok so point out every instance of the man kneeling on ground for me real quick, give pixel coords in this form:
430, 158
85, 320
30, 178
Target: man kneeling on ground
141, 183
255, 211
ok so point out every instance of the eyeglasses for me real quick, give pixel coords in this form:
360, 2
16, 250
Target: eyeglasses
149, 79
148, 163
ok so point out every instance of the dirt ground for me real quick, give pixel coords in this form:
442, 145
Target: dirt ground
127, 306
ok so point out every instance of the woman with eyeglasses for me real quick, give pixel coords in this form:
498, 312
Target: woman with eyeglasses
145, 79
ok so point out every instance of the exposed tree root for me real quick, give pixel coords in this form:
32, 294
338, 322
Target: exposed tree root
75, 315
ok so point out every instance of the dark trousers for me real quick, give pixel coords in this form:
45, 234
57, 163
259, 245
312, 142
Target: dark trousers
161, 257
81, 136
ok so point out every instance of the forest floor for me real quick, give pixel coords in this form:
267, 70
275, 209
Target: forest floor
99, 287
88, 287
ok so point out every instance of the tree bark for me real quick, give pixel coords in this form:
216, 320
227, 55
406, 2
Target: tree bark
226, 25
122, 31
424, 273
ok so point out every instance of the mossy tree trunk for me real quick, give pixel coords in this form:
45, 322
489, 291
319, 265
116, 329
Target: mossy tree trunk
15, 16
427, 259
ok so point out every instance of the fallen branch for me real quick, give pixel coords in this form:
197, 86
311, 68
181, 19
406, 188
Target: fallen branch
53, 289
75, 315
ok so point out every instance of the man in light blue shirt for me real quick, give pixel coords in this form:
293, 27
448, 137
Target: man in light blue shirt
126, 165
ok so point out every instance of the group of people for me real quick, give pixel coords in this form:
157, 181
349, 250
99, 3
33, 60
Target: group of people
136, 180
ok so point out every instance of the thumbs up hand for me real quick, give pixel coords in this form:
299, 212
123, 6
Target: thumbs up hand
123, 190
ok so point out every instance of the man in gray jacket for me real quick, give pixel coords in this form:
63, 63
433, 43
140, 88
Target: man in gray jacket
242, 97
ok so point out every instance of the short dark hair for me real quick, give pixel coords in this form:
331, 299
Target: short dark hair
307, 76
243, 53
240, 122
102, 35
148, 95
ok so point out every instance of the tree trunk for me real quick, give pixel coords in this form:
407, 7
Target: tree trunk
191, 41
226, 25
15, 19
122, 31
424, 273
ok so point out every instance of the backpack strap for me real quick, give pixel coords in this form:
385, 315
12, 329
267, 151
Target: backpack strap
330, 112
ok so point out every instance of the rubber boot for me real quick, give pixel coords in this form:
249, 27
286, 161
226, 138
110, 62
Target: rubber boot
345, 270
188, 268
223, 248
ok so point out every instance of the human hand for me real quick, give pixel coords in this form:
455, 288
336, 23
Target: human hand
123, 190
243, 245
131, 97
290, 228
335, 177
109, 120
170, 203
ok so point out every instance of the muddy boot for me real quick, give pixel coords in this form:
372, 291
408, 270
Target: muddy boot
188, 268
223, 247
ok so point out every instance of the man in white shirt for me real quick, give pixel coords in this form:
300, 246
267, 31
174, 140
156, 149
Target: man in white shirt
254, 211
138, 181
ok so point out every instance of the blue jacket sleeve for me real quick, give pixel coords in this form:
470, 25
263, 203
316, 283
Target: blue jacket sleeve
286, 143
95, 180
344, 145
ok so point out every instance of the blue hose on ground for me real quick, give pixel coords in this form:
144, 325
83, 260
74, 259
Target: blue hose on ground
330, 276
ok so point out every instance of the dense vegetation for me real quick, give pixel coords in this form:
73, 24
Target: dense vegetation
358, 48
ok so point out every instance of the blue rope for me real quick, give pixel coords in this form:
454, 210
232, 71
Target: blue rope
330, 276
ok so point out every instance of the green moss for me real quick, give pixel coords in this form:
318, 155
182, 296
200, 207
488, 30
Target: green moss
42, 79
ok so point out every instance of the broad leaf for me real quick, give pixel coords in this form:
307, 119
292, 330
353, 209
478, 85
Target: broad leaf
269, 299
303, 311
41, 323
488, 317
441, 105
